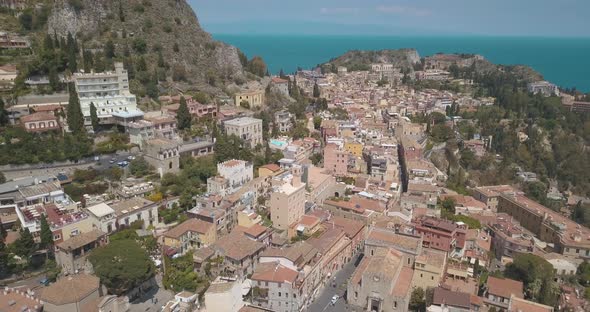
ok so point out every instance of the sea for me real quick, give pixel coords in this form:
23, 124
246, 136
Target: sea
563, 61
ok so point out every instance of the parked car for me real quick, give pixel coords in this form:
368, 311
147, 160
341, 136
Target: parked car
334, 299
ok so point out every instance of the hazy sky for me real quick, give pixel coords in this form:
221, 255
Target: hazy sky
396, 17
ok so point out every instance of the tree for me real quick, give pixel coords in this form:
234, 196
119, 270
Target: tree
46, 234
317, 122
257, 66
74, 112
121, 265
316, 90
139, 167
3, 232
109, 49
417, 300
245, 104
183, 116
2, 178
24, 246
583, 273
93, 117
3, 114
537, 276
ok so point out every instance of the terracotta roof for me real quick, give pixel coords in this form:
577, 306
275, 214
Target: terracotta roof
256, 230
81, 240
404, 281
451, 298
237, 246
40, 116
308, 220
521, 305
327, 240
505, 287
70, 289
272, 167
406, 242
274, 272
192, 225
279, 80
350, 227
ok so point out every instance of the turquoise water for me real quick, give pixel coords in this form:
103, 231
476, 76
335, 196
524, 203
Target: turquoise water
563, 61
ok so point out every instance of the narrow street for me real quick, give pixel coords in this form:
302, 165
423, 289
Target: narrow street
322, 302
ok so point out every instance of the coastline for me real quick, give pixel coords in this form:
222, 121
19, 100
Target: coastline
562, 61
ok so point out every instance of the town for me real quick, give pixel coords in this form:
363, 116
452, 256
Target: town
368, 187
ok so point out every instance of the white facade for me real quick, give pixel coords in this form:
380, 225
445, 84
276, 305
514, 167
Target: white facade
234, 174
109, 91
224, 296
246, 128
103, 217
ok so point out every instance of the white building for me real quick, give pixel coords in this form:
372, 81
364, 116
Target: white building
109, 92
224, 294
103, 217
246, 128
544, 87
231, 176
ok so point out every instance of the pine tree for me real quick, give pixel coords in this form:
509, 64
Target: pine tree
282, 74
94, 117
2, 231
24, 246
109, 49
316, 90
74, 112
183, 116
53, 78
3, 114
48, 43
71, 48
46, 234
55, 40
88, 60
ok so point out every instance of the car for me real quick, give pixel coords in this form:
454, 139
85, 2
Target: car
44, 281
112, 161
334, 299
130, 157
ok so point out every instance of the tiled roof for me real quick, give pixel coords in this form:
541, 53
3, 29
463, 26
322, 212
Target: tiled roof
451, 298
521, 305
505, 287
40, 116
274, 272
81, 240
192, 225
237, 246
70, 289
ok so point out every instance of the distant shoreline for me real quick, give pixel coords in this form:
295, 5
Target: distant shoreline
563, 61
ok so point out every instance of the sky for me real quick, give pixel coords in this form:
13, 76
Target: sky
550, 18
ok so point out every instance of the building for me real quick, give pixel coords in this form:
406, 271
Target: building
287, 203
500, 290
455, 301
71, 254
255, 98
109, 92
283, 121
224, 294
545, 88
190, 234
40, 122
247, 129
63, 223
319, 183
15, 300
508, 238
184, 301
409, 245
429, 269
136, 209
75, 293
521, 305
103, 217
197, 149
440, 234
381, 283
282, 85
568, 237
8, 74
336, 160
163, 154
269, 170
11, 41
275, 287
240, 253
489, 194
231, 176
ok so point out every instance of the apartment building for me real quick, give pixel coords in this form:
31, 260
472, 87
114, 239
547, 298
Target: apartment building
231, 176
287, 203
247, 129
109, 92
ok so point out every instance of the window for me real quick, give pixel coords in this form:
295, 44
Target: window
74, 232
395, 304
279, 293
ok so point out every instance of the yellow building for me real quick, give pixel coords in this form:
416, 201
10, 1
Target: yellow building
248, 218
69, 230
269, 170
429, 268
254, 97
191, 234
355, 148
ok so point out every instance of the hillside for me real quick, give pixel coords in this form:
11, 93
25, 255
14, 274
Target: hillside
361, 60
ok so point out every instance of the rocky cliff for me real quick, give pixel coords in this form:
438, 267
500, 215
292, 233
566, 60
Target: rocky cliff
169, 26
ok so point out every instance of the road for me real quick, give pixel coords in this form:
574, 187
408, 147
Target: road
322, 302
153, 300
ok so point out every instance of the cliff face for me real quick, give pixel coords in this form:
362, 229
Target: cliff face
170, 26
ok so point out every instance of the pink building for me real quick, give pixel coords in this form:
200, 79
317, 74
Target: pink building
335, 160
440, 234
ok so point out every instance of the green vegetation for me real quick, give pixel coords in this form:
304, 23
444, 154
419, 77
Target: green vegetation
537, 276
191, 181
86, 182
183, 116
181, 276
139, 167
122, 265
418, 300
448, 212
